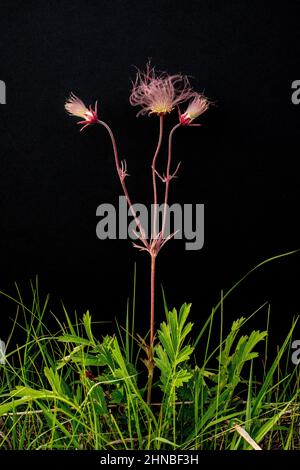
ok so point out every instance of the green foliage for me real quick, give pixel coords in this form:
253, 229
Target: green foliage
75, 389
231, 362
172, 354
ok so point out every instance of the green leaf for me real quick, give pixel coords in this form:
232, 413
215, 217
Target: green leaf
74, 339
172, 352
87, 322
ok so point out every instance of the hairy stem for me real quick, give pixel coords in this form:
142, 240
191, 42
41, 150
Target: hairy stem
152, 318
122, 179
153, 257
168, 177
150, 361
161, 121
152, 299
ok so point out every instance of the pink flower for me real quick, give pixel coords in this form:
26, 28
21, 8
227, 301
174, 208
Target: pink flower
196, 107
159, 93
75, 107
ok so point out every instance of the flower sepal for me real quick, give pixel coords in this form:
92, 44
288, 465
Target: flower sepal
76, 107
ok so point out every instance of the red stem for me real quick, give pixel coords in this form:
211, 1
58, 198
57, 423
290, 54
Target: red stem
161, 120
152, 301
122, 179
168, 178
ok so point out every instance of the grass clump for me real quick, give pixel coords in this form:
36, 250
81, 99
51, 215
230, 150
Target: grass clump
70, 389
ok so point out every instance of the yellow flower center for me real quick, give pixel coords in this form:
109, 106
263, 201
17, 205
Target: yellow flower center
161, 108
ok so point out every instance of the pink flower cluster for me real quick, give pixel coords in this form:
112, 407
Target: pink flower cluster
155, 93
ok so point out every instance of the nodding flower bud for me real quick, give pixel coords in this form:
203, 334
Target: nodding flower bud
75, 107
196, 107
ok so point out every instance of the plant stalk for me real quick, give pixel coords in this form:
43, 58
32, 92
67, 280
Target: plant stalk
150, 360
122, 180
168, 177
161, 122
152, 300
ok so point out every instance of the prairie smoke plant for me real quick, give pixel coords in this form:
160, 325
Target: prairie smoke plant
156, 93
76, 107
159, 93
196, 107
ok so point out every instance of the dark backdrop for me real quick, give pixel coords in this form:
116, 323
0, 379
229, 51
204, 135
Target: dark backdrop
242, 163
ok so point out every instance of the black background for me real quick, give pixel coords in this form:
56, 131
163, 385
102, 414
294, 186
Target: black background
242, 163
